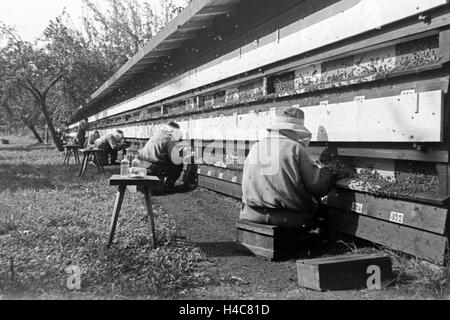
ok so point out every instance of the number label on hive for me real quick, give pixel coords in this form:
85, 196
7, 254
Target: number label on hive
397, 217
357, 207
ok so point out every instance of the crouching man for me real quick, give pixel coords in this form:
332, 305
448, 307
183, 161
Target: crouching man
161, 155
280, 181
111, 144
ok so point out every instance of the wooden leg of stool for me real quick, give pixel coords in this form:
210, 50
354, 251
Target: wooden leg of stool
150, 213
77, 157
70, 155
102, 168
84, 165
97, 163
115, 216
65, 157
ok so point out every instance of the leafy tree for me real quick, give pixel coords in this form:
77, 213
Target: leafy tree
59, 73
83, 68
17, 106
20, 109
54, 76
120, 28
33, 70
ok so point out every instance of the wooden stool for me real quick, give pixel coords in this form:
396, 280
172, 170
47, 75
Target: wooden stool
271, 242
144, 185
95, 154
71, 149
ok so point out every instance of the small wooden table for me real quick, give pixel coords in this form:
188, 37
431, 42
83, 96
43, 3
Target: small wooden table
87, 153
144, 185
71, 149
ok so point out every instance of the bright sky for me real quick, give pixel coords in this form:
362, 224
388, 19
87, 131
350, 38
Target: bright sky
31, 17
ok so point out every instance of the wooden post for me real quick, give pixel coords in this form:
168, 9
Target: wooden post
443, 171
444, 45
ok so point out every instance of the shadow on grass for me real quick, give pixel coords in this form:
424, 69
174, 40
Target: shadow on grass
224, 249
23, 148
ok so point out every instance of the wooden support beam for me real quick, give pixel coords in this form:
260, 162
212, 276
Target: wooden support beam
443, 170
444, 44
194, 25
214, 11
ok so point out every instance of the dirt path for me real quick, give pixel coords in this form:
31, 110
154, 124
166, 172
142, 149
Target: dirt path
207, 220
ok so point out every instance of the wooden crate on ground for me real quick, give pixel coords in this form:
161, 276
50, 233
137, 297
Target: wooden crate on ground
271, 242
344, 272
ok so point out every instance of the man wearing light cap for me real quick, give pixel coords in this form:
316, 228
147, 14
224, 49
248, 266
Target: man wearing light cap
280, 181
160, 155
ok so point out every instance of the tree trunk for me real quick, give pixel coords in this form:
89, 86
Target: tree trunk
36, 134
51, 127
46, 134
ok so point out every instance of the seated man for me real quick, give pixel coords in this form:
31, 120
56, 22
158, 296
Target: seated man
60, 135
111, 144
159, 153
280, 181
90, 143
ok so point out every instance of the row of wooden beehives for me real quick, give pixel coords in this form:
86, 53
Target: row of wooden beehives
379, 100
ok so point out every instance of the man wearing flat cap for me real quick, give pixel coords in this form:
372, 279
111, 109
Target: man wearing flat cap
280, 182
158, 155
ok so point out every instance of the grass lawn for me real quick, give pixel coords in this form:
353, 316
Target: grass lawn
50, 219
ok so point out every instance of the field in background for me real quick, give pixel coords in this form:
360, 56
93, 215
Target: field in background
50, 220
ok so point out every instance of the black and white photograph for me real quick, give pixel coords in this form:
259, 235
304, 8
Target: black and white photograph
194, 152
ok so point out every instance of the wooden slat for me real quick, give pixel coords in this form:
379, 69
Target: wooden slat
443, 170
424, 245
444, 44
423, 217
220, 186
441, 156
256, 228
425, 197
411, 118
